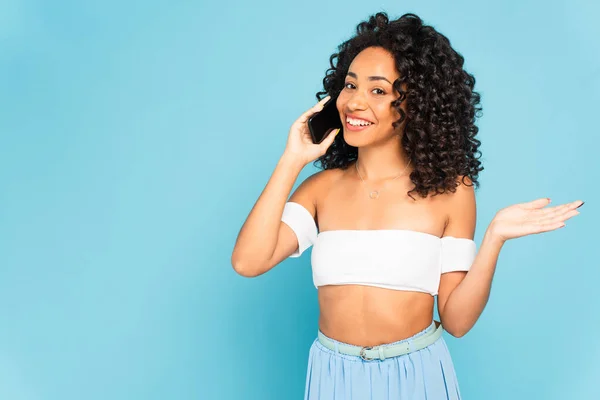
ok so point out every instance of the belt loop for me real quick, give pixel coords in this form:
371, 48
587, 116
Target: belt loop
381, 356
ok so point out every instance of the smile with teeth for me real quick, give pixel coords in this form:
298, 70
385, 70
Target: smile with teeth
358, 122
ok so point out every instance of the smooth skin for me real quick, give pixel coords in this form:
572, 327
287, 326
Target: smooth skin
338, 199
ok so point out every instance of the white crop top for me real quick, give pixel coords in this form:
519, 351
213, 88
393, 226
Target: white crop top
388, 258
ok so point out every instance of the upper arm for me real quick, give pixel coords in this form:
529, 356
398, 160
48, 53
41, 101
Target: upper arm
287, 240
462, 215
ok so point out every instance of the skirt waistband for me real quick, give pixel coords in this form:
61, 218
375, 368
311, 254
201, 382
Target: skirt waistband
416, 342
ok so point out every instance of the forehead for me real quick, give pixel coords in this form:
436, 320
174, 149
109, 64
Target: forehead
374, 61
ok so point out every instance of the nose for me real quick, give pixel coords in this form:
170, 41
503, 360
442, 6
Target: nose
356, 101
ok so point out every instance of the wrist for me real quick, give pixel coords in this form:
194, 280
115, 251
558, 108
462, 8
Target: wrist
292, 160
492, 236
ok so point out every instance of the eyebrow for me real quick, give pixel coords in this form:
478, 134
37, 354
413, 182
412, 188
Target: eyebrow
371, 78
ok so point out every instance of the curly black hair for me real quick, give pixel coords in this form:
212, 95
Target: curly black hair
441, 105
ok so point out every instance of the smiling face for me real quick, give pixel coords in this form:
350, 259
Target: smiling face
365, 102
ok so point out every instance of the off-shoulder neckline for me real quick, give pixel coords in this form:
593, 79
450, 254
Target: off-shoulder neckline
383, 230
389, 230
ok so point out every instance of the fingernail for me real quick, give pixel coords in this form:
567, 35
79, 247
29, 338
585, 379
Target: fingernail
582, 203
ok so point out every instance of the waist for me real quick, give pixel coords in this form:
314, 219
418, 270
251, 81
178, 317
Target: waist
368, 316
418, 341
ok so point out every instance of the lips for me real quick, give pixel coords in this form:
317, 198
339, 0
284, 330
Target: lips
358, 117
355, 119
356, 128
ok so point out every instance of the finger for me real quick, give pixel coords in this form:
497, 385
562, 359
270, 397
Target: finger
563, 210
551, 211
314, 109
317, 107
322, 101
536, 204
560, 208
539, 226
329, 139
550, 227
568, 214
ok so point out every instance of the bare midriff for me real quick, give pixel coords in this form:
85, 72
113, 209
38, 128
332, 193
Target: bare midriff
369, 316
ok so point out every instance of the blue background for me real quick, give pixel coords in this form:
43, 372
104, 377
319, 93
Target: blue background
135, 138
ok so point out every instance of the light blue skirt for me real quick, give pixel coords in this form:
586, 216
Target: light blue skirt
423, 374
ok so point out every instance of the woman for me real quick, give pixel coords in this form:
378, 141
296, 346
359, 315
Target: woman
391, 216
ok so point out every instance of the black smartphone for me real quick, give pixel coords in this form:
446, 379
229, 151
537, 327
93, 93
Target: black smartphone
323, 122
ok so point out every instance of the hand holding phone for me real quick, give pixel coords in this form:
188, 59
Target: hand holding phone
301, 142
323, 122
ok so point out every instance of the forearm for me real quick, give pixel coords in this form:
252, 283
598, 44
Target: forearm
467, 301
257, 238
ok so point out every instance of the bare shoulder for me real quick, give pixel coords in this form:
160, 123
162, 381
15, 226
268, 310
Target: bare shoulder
327, 178
465, 191
461, 209
314, 187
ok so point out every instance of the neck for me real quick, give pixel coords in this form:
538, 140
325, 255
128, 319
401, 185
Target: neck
382, 163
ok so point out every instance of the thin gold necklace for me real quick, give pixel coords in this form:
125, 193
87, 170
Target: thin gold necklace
374, 194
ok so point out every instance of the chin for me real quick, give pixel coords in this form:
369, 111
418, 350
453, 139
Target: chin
358, 139
352, 139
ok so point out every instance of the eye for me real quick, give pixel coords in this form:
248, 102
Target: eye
377, 91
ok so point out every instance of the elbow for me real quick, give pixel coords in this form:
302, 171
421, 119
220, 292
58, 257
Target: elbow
244, 271
243, 268
456, 331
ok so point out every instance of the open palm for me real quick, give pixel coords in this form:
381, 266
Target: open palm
530, 218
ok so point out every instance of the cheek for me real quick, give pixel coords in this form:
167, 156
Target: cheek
341, 102
386, 112
395, 113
